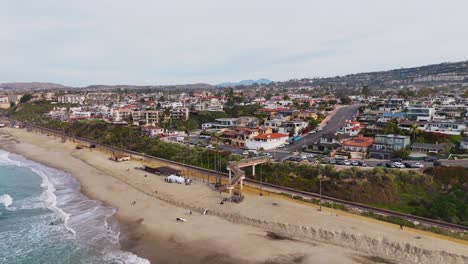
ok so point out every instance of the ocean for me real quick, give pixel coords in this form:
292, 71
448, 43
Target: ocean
45, 219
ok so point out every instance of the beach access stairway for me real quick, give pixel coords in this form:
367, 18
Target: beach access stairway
238, 175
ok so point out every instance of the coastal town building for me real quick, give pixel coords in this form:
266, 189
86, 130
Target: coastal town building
384, 146
267, 141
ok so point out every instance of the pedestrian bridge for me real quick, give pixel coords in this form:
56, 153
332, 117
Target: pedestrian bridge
236, 175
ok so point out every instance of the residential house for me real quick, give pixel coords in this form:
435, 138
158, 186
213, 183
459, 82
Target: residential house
357, 146
267, 141
294, 127
237, 137
448, 128
384, 146
394, 104
221, 123
416, 113
428, 148
350, 128
152, 131
464, 143
327, 143
387, 116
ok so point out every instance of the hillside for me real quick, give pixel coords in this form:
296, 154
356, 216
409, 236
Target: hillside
31, 86
430, 75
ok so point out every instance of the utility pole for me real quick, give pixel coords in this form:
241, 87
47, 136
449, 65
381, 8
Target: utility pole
320, 193
261, 180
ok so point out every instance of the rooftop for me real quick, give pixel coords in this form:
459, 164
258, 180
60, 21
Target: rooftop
271, 136
359, 142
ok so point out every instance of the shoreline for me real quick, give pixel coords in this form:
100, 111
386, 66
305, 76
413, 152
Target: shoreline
194, 241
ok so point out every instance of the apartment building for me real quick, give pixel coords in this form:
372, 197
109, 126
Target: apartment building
71, 99
181, 113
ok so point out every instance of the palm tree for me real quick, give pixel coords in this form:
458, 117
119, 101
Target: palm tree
413, 130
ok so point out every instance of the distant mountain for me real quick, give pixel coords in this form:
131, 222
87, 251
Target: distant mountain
244, 82
31, 86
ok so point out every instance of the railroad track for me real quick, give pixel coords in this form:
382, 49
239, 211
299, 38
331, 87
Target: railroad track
272, 187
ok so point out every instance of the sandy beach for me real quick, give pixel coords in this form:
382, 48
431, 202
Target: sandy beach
229, 233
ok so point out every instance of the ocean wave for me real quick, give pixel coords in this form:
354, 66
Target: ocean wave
6, 200
89, 222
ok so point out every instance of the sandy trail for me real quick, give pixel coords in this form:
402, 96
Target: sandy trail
231, 232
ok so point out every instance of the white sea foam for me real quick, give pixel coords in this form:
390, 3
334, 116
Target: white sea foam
89, 222
122, 257
6, 200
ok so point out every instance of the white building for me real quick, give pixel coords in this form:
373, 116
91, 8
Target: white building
420, 113
464, 143
71, 99
294, 127
267, 141
448, 128
152, 131
351, 128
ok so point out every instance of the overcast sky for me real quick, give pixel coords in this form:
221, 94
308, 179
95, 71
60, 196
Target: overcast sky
173, 42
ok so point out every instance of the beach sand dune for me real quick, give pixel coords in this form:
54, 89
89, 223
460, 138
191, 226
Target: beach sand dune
262, 229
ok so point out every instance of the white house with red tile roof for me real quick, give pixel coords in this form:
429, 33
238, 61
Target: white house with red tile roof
267, 141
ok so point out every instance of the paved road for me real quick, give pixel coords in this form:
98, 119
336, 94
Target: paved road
335, 122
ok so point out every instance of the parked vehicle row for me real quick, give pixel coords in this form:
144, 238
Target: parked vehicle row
345, 162
400, 165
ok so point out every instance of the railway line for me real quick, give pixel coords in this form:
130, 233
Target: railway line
271, 187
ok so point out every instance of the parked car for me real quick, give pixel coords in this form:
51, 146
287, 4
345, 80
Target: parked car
329, 161
340, 162
295, 158
398, 165
408, 165
354, 163
347, 163
430, 159
419, 165
390, 165
362, 163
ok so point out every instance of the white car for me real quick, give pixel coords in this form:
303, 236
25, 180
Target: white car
399, 165
419, 165
347, 163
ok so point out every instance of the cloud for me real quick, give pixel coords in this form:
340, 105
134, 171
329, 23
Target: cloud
160, 42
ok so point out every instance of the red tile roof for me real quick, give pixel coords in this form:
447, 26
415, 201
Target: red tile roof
272, 136
359, 142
